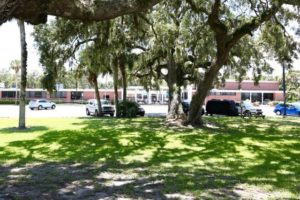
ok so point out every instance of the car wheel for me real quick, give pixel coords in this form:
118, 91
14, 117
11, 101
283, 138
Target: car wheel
40, 107
31, 108
111, 115
96, 113
88, 112
53, 107
247, 114
278, 112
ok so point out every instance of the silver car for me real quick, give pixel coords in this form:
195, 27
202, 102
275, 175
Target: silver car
41, 104
92, 107
247, 109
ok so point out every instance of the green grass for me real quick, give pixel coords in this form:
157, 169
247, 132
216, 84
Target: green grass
234, 158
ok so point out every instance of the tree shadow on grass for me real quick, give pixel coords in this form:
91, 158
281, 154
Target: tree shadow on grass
140, 158
14, 130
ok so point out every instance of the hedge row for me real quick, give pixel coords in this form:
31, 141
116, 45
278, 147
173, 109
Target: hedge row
10, 102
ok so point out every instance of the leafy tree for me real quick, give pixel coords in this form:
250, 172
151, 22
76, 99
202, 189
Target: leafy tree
292, 85
234, 27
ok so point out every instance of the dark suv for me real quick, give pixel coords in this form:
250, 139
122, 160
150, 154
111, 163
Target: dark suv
186, 107
221, 107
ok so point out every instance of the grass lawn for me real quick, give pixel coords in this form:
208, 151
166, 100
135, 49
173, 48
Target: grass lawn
143, 159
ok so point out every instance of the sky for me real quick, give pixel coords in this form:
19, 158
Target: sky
10, 49
10, 46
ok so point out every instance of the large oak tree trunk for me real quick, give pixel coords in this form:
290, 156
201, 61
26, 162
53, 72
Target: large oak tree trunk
203, 87
175, 111
174, 105
22, 100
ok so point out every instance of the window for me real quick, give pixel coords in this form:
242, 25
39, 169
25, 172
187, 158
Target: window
9, 94
76, 95
61, 95
256, 97
228, 93
222, 93
184, 95
38, 94
245, 96
268, 97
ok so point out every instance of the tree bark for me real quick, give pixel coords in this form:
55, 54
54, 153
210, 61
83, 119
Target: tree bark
36, 11
93, 80
115, 79
175, 110
24, 53
203, 87
124, 80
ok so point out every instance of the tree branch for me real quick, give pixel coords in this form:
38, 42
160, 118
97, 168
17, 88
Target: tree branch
36, 11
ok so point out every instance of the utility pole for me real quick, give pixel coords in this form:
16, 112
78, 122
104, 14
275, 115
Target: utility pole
284, 90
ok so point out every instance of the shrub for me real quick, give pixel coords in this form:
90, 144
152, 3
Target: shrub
127, 109
10, 102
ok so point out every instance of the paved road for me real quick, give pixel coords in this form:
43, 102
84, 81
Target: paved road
75, 110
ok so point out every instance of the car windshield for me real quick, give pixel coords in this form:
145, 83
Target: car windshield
297, 105
105, 102
248, 104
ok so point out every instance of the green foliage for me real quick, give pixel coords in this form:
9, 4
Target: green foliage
292, 85
127, 109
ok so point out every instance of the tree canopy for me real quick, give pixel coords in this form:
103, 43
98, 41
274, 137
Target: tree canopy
198, 41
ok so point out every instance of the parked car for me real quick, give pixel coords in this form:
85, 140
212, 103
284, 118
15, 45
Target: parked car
247, 109
41, 104
186, 107
92, 107
141, 111
221, 107
292, 109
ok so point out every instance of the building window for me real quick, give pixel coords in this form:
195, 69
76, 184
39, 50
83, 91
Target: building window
9, 94
228, 93
222, 93
60, 95
256, 97
38, 94
76, 95
184, 96
268, 97
246, 96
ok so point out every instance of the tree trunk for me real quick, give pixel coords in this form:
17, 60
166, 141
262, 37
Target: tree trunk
100, 114
175, 111
115, 79
22, 108
93, 80
174, 105
203, 87
124, 81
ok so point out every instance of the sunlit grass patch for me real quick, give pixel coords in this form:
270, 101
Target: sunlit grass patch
235, 158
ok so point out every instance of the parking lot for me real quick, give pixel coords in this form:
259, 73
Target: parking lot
69, 111
77, 110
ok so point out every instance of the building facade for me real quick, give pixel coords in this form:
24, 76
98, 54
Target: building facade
265, 92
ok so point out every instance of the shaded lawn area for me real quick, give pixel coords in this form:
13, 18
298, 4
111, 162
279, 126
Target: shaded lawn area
143, 159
